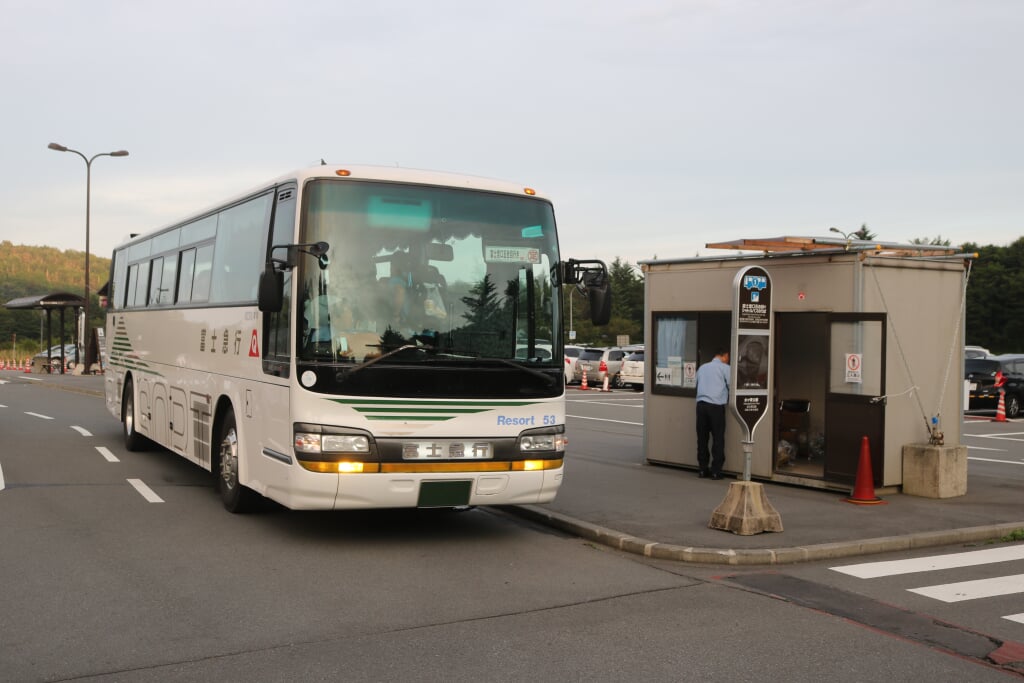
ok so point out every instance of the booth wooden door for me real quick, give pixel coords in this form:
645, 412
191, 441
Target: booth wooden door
854, 404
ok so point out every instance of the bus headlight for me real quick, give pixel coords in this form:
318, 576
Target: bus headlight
334, 450
544, 440
330, 441
345, 443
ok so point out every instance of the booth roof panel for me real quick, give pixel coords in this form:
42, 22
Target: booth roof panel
797, 246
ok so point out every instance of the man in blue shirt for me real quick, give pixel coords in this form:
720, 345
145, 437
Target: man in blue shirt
712, 397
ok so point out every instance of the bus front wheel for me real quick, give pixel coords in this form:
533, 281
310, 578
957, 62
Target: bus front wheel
236, 498
133, 441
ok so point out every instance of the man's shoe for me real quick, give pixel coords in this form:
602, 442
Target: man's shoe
716, 476
703, 474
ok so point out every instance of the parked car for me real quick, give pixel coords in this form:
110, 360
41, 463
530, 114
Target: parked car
976, 352
632, 373
52, 357
541, 352
600, 363
980, 374
572, 356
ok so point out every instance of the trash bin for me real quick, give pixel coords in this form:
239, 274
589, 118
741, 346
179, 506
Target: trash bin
795, 424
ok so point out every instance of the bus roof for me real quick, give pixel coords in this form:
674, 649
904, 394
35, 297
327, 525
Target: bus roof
392, 174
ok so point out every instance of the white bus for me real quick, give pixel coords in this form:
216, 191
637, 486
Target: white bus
352, 337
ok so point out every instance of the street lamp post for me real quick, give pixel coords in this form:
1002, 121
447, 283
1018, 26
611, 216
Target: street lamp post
88, 192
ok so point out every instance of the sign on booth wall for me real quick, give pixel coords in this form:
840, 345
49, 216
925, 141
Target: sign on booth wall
853, 371
750, 354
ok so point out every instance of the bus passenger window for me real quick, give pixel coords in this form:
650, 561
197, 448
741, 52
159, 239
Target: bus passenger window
129, 290
185, 270
201, 281
156, 271
142, 286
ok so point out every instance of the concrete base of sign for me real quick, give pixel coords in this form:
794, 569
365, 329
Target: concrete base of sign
934, 471
745, 511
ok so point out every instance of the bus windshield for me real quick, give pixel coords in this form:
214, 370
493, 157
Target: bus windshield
418, 274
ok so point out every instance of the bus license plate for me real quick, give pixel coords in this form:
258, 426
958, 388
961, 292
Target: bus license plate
443, 494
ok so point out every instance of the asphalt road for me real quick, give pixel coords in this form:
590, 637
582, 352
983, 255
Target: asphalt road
124, 566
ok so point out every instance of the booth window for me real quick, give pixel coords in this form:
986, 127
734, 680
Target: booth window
682, 341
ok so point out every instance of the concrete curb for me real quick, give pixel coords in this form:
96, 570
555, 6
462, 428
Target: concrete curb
759, 556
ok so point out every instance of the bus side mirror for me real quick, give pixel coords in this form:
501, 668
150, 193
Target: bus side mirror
593, 276
271, 294
599, 294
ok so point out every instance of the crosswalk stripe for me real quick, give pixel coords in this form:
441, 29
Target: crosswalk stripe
873, 570
972, 590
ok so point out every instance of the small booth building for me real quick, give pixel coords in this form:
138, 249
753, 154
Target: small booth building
866, 340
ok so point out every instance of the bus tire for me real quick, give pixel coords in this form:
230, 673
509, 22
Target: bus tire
236, 498
133, 441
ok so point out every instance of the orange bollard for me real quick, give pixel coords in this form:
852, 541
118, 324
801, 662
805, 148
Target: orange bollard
864, 487
1001, 408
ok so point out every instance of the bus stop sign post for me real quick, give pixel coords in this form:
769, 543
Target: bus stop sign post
745, 509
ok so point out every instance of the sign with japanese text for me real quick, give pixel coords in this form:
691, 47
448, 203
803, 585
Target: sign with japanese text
750, 357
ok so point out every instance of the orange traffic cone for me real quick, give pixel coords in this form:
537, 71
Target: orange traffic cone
1001, 408
583, 384
864, 487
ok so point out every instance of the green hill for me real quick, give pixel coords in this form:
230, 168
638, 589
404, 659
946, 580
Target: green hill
34, 271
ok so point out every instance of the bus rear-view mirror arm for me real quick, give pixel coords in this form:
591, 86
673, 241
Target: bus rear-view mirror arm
271, 288
591, 276
317, 250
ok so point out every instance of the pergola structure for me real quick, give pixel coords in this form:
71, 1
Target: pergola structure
58, 301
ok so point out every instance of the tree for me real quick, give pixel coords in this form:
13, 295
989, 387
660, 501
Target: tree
863, 233
931, 240
627, 308
995, 297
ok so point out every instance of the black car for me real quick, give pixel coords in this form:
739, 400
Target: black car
980, 374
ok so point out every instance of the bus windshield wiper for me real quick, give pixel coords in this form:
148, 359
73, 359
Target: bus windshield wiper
365, 364
423, 347
503, 361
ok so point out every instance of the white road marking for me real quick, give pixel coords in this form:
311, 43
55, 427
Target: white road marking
145, 491
1005, 462
1, 479
616, 405
601, 419
34, 379
872, 570
608, 398
42, 417
972, 590
997, 437
105, 452
1019, 618
982, 448
81, 430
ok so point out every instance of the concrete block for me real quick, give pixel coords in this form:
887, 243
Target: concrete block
934, 471
745, 510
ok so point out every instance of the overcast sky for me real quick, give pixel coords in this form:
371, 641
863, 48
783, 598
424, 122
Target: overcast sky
656, 127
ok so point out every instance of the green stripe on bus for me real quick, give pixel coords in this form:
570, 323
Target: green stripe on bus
483, 405
407, 418
393, 409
